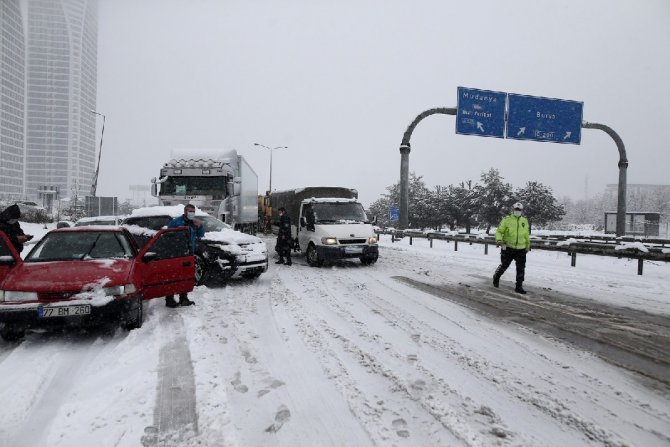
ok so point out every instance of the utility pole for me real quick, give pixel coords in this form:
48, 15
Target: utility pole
94, 183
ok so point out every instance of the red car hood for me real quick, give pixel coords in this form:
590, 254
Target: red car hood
69, 276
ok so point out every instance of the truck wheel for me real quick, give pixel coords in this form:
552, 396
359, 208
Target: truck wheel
11, 333
201, 271
313, 257
135, 317
365, 260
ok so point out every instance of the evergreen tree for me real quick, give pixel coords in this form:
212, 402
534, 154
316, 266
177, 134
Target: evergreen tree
493, 198
462, 207
539, 204
421, 203
380, 208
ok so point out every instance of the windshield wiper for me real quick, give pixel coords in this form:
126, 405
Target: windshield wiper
88, 253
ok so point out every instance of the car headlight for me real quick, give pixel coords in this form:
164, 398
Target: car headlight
15, 295
119, 290
372, 240
329, 241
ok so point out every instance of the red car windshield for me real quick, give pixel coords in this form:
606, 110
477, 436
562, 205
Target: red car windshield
70, 246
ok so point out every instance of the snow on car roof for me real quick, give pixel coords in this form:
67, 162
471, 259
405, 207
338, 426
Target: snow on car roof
172, 211
94, 218
230, 235
88, 228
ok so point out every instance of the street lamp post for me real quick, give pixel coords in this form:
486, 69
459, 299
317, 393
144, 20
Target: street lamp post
94, 183
270, 149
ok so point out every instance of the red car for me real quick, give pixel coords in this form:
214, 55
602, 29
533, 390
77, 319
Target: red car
83, 275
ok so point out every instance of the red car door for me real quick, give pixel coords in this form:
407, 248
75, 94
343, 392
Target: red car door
165, 264
8, 256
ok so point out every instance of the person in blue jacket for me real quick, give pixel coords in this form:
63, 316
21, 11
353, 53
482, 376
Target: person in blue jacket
196, 231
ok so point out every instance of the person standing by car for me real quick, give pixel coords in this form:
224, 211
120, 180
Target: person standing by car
284, 240
9, 224
196, 231
513, 237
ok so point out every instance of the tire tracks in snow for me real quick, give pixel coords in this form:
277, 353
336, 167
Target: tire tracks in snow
175, 416
497, 376
58, 358
398, 416
269, 387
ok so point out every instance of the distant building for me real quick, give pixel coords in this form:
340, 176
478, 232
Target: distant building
647, 206
61, 82
12, 100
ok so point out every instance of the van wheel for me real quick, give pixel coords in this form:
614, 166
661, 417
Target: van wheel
313, 257
368, 260
201, 272
135, 317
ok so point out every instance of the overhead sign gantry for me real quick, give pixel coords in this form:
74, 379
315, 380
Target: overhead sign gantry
489, 113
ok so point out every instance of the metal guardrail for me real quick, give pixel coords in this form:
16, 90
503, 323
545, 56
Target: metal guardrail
642, 249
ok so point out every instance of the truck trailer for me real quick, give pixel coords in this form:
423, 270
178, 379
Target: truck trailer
221, 183
327, 224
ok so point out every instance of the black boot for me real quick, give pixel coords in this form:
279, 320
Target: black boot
519, 289
496, 281
280, 261
288, 261
170, 302
184, 301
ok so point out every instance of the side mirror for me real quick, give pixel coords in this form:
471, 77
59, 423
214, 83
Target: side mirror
7, 260
374, 220
303, 221
237, 186
154, 188
150, 256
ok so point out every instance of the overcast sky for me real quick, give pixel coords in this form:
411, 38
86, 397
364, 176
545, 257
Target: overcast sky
338, 82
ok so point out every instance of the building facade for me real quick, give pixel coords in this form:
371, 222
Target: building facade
61, 76
12, 101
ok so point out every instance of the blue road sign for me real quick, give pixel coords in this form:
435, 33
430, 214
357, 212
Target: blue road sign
480, 112
394, 214
544, 119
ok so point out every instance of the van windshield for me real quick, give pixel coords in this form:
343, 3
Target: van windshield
339, 212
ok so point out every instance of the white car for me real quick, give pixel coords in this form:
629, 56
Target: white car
98, 220
223, 253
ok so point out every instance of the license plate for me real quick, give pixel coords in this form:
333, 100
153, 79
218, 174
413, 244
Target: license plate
353, 250
64, 311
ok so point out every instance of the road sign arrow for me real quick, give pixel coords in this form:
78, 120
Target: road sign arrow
480, 126
522, 130
567, 135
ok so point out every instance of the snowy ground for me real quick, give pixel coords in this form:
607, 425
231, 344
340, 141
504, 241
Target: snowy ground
346, 356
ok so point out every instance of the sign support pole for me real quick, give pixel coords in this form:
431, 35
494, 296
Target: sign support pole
404, 162
623, 166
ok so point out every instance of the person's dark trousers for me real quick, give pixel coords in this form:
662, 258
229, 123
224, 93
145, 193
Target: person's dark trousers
506, 257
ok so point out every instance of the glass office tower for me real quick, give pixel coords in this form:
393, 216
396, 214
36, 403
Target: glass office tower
61, 76
12, 100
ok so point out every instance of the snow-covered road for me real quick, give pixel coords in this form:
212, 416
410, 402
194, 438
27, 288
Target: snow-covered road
351, 356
